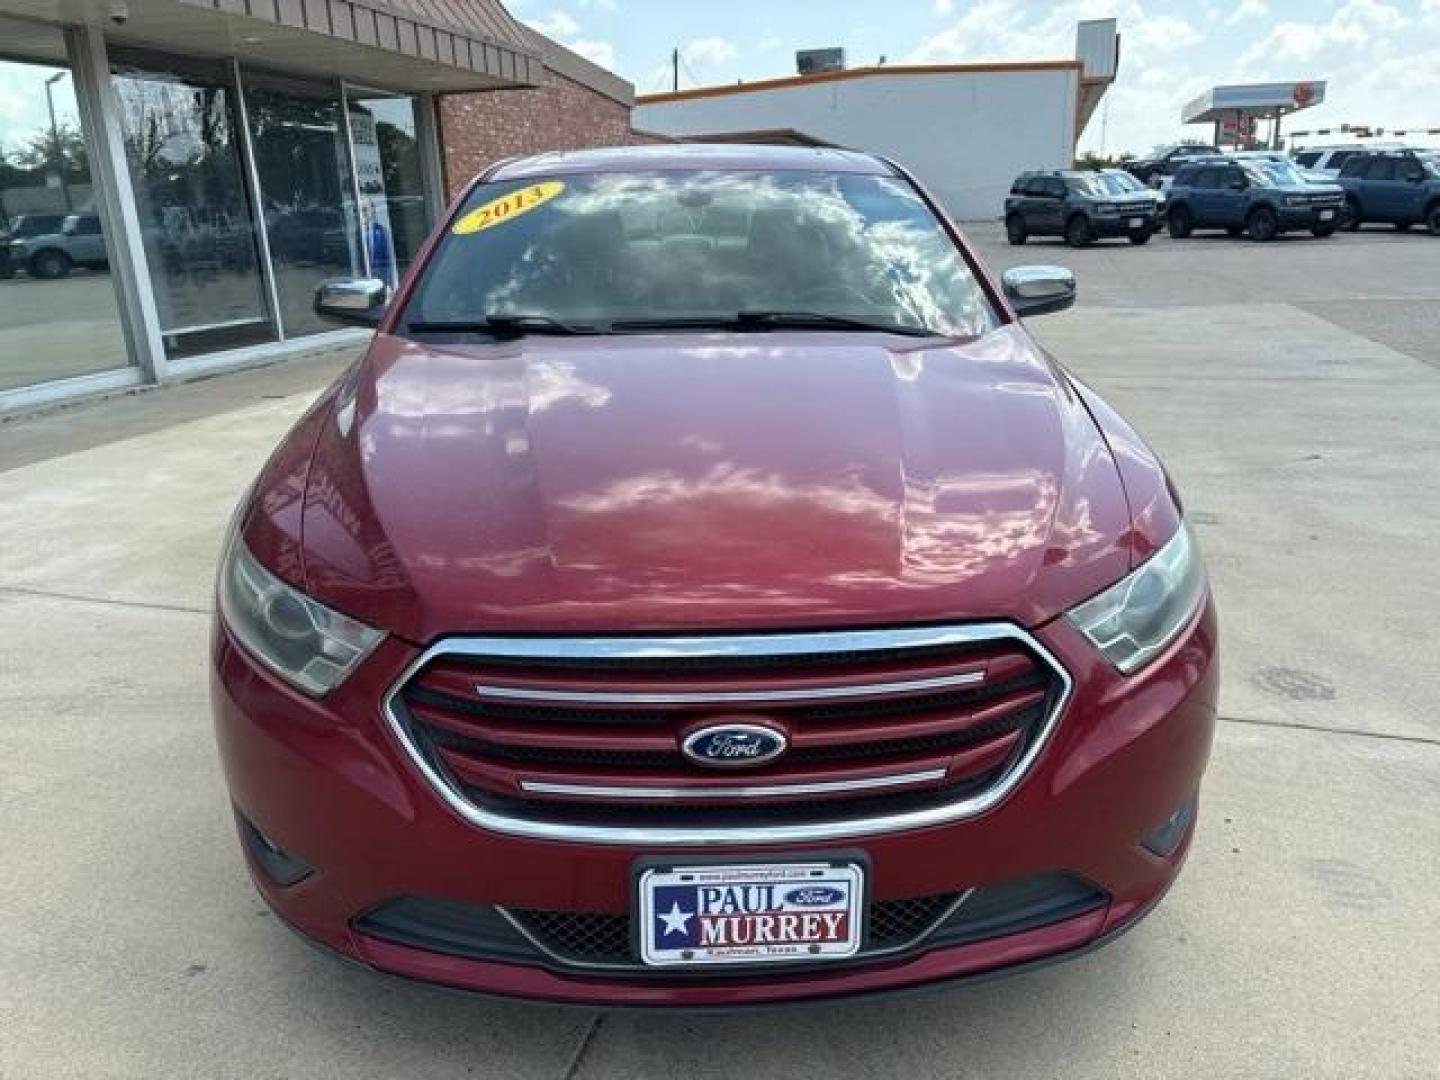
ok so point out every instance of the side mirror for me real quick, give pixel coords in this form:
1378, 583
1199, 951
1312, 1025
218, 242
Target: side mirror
1038, 290
1238, 183
353, 301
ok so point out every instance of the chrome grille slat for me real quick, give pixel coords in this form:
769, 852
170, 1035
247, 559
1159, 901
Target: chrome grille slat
734, 697
504, 810
748, 791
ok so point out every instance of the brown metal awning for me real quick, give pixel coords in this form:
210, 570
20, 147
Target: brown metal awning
443, 46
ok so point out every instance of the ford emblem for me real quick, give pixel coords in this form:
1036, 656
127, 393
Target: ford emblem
814, 896
734, 745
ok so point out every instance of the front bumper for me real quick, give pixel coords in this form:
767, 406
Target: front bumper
1108, 227
327, 783
1309, 217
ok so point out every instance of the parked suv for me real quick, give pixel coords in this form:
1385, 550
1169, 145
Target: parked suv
1329, 160
23, 227
1165, 161
1399, 187
706, 592
1080, 206
1259, 198
80, 242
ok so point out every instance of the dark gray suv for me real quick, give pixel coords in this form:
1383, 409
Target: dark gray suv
1080, 206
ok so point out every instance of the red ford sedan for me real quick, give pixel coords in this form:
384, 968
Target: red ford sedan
705, 592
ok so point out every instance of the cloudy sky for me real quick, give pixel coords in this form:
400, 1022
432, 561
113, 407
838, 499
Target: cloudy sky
1380, 57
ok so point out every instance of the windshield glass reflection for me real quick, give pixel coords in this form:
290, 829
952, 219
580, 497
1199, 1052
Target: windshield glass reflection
679, 246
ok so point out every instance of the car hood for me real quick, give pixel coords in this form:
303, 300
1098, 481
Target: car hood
665, 482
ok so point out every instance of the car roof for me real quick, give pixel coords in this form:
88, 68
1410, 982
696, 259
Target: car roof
1361, 147
706, 156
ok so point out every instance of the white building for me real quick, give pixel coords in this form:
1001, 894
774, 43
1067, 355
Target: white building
966, 130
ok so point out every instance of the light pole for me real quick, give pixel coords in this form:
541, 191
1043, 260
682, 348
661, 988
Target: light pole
55, 136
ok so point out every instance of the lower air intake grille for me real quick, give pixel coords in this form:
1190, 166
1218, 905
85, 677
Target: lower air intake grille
579, 941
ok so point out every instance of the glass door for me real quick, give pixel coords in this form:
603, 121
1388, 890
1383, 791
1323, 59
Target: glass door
386, 149
307, 191
182, 144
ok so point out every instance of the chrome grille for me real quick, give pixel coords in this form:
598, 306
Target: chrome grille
578, 739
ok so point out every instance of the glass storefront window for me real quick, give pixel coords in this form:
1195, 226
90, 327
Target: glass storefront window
58, 313
307, 190
182, 146
251, 188
386, 149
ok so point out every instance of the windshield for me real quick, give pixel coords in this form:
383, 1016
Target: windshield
1120, 183
1273, 173
588, 251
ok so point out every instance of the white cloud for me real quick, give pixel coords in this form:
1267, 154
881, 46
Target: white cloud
1161, 33
708, 52
1354, 27
565, 28
1015, 30
1247, 9
598, 52
556, 24
944, 7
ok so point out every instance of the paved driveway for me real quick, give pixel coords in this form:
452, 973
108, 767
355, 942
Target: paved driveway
1303, 939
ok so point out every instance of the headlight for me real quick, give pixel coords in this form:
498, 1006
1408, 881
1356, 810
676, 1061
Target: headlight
1296, 200
1107, 209
300, 639
1143, 612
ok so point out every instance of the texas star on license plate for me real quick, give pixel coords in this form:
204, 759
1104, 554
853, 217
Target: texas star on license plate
744, 914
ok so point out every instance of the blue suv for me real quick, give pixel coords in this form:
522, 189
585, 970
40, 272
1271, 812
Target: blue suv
1260, 198
1399, 187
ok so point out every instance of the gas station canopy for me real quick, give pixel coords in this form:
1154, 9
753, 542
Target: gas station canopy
1236, 108
1262, 100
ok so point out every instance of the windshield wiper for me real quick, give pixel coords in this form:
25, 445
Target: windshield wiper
500, 325
819, 319
756, 319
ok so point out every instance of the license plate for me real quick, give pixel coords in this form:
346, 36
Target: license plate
1326, 215
700, 916
1137, 223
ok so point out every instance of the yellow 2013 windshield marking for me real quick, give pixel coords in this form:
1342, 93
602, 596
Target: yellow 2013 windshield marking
507, 207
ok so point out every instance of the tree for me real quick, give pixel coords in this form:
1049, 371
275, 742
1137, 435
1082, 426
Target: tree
60, 150
1091, 160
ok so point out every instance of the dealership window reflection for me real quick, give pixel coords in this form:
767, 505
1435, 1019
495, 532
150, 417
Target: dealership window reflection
307, 190
181, 144
58, 314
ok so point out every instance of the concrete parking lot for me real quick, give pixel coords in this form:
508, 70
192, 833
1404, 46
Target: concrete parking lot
1294, 390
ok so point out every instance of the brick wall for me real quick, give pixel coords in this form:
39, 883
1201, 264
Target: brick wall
480, 128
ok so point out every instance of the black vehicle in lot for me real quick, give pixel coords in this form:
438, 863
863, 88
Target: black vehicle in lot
1166, 160
1080, 206
1259, 198
1401, 188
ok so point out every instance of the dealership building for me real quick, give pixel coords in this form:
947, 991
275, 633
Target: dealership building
966, 130
176, 176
